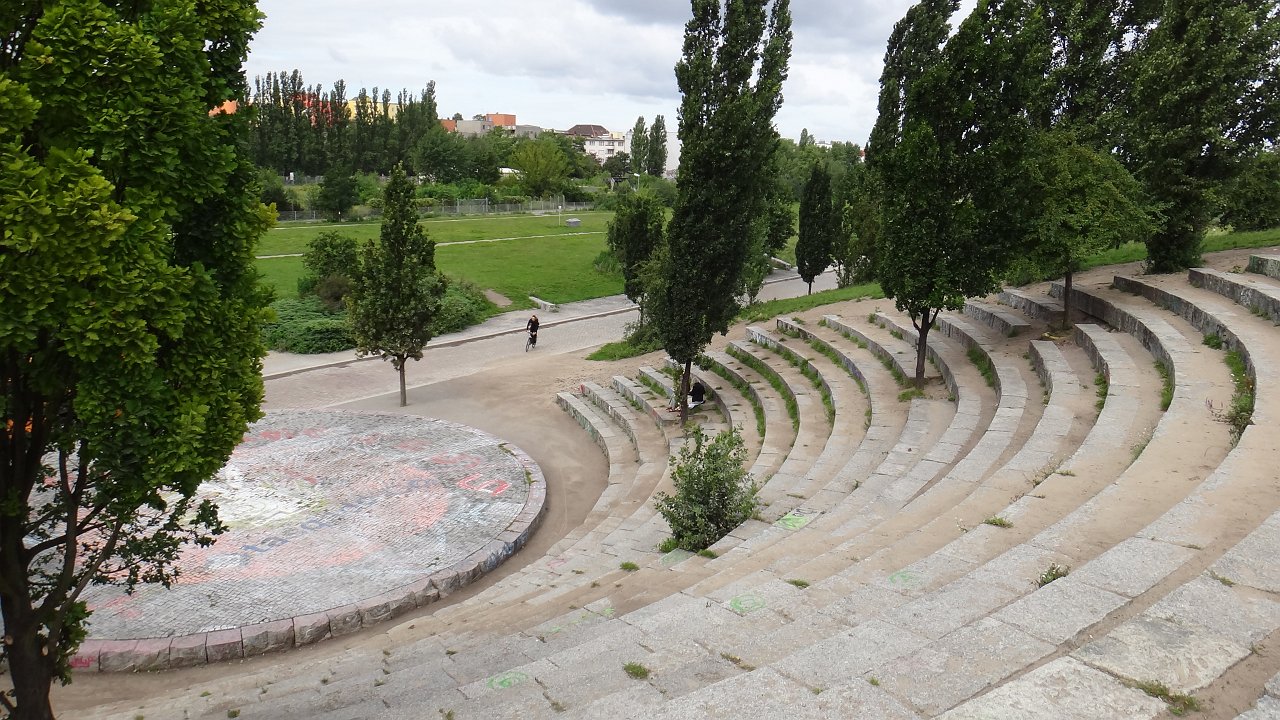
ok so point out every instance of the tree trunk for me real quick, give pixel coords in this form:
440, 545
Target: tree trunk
1066, 302
921, 345
810, 288
404, 398
684, 392
30, 669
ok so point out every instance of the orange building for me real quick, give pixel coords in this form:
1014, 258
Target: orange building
501, 119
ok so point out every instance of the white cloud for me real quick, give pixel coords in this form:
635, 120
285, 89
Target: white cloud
556, 64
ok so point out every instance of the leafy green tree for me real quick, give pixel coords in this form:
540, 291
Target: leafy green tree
730, 76
397, 291
818, 225
655, 158
713, 492
635, 231
1087, 202
1251, 200
330, 261
639, 146
543, 166
618, 165
1201, 96
339, 192
130, 315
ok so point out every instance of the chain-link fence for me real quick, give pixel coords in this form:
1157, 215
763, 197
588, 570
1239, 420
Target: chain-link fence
478, 206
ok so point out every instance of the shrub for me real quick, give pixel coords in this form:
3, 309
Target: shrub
462, 306
331, 253
306, 326
331, 290
713, 493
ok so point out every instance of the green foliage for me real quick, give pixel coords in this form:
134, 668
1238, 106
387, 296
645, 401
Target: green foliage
1166, 392
1213, 341
639, 146
338, 193
1101, 388
655, 157
306, 326
543, 166
396, 296
818, 226
636, 231
1240, 414
713, 493
1053, 572
1251, 200
1196, 102
983, 362
774, 380
130, 315
329, 254
462, 306
618, 165
786, 306
730, 77
639, 340
636, 670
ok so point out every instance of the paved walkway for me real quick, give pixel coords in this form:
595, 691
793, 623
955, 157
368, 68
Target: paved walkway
589, 323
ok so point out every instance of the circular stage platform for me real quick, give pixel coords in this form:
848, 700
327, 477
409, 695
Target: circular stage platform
336, 521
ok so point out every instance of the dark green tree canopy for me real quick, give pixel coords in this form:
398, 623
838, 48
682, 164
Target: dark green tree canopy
655, 160
130, 316
818, 224
639, 145
397, 291
636, 231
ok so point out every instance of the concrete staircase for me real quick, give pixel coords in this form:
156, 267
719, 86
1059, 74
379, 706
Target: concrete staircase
1063, 527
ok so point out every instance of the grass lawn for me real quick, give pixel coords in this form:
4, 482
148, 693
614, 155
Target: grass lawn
555, 269
293, 237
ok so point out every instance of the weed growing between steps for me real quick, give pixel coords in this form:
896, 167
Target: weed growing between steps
1213, 341
1240, 415
1053, 572
1178, 703
983, 363
1166, 393
1100, 381
705, 363
751, 361
713, 491
807, 369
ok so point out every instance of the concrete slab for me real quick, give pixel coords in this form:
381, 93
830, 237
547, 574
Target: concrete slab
1133, 567
1063, 689
1267, 708
1060, 610
950, 608
1234, 611
964, 663
1252, 562
1183, 656
849, 655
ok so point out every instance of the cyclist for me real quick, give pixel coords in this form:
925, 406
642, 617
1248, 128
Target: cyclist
532, 327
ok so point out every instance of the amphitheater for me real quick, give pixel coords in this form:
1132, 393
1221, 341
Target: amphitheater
1059, 526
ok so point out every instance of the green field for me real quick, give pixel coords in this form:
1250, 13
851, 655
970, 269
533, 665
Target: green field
293, 237
555, 269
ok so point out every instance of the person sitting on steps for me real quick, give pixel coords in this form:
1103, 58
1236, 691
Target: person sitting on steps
697, 395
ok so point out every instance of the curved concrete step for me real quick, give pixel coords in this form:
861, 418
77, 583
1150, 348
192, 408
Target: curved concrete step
1033, 305
1006, 323
897, 353
1264, 264
1261, 297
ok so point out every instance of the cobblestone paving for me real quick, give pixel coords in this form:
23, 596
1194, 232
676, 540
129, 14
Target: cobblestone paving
327, 508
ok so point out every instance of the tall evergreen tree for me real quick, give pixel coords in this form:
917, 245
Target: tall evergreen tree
639, 146
130, 314
656, 150
1202, 95
730, 76
397, 291
818, 223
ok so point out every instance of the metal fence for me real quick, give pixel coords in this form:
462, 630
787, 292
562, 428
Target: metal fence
480, 206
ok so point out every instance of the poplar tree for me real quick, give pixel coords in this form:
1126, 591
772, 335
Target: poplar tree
1201, 97
396, 291
655, 161
818, 223
634, 233
639, 146
130, 314
730, 76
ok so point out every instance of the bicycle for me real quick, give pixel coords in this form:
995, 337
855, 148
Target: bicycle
531, 341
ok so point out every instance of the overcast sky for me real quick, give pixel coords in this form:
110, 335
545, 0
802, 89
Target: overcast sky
558, 63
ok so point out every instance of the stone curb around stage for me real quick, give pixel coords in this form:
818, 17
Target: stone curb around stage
151, 654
